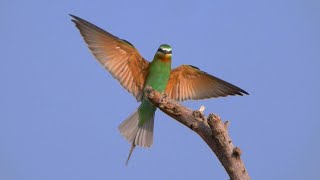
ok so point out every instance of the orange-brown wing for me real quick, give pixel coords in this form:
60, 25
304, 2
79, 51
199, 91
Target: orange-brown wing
190, 83
118, 56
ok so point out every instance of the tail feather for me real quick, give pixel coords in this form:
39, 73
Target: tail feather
144, 135
129, 127
130, 152
137, 135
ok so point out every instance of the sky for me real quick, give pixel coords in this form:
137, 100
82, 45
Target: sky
60, 110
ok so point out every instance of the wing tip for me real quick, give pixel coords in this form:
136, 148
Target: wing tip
74, 17
238, 91
77, 20
243, 92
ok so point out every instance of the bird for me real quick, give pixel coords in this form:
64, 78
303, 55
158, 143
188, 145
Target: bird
135, 73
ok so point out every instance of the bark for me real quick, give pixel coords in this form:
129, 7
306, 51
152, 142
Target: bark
211, 129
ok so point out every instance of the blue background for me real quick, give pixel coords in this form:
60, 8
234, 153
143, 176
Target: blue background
60, 110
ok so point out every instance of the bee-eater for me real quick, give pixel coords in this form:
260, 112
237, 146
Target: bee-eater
134, 73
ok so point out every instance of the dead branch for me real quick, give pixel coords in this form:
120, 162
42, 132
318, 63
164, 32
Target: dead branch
212, 130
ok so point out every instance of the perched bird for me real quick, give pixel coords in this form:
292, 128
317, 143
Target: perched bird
134, 73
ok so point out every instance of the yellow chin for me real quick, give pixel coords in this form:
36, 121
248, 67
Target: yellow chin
164, 57
167, 56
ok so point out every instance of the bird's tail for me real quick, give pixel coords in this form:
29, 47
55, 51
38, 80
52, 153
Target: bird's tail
137, 134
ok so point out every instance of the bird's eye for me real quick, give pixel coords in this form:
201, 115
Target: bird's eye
161, 50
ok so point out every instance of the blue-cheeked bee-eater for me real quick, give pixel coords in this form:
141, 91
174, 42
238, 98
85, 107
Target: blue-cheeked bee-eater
134, 73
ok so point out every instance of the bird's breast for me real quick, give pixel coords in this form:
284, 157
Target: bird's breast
159, 74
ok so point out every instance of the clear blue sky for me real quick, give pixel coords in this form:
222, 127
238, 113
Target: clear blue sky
60, 110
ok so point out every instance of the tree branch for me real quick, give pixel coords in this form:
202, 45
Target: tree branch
212, 130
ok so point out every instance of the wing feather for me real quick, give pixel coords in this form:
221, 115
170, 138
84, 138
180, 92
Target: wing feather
190, 83
118, 56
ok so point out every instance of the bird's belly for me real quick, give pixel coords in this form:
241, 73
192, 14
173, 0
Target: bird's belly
158, 83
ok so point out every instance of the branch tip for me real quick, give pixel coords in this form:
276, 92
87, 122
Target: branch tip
202, 108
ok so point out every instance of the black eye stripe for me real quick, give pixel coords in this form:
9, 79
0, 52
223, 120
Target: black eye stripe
161, 50
164, 51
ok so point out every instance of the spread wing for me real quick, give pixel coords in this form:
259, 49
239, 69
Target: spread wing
118, 56
190, 83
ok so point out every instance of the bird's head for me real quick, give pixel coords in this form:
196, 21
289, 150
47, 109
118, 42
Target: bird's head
164, 52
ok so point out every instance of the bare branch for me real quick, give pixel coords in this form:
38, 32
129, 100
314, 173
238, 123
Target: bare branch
212, 130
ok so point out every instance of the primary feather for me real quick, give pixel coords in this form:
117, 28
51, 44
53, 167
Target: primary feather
118, 56
190, 83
